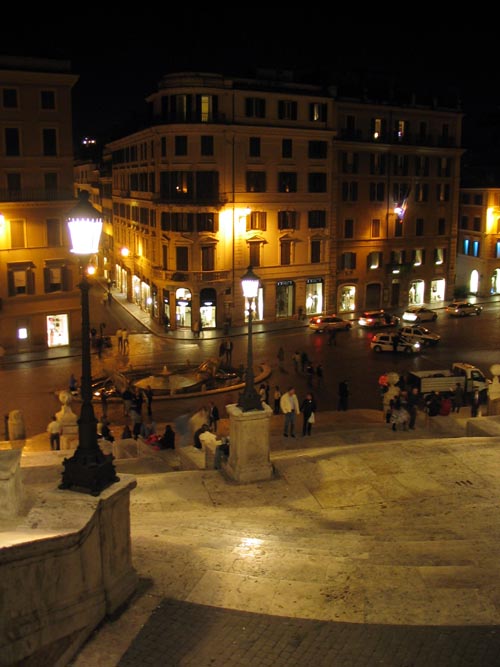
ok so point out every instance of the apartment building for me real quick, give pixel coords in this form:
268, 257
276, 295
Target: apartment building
40, 305
397, 191
338, 204
478, 248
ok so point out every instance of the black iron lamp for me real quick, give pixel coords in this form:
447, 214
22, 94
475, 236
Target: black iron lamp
249, 399
89, 470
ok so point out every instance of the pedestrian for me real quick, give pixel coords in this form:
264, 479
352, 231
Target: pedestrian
395, 341
228, 351
167, 440
277, 397
119, 340
136, 422
281, 359
106, 432
332, 337
458, 398
296, 360
148, 392
289, 405
127, 397
138, 401
99, 345
304, 360
319, 375
308, 409
413, 403
104, 402
73, 385
125, 340
110, 298
196, 328
262, 393
310, 374
343, 395
475, 404
126, 433
54, 431
213, 417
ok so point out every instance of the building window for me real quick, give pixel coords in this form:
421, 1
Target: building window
256, 181
444, 166
208, 258
465, 198
378, 129
17, 234
286, 148
181, 145
53, 233
20, 279
477, 224
443, 192
374, 260
181, 258
207, 222
254, 253
497, 250
255, 107
207, 145
317, 150
257, 220
377, 191
47, 99
464, 222
375, 229
53, 278
348, 229
401, 129
348, 260
163, 146
287, 110
441, 227
466, 245
288, 220
350, 162
50, 181
439, 255
478, 200
421, 192
475, 248
418, 257
206, 107
400, 165
316, 251
318, 112
285, 253
254, 147
400, 192
287, 181
421, 165
49, 140
398, 257
377, 164
12, 142
398, 228
13, 183
317, 182
350, 191
316, 219
9, 98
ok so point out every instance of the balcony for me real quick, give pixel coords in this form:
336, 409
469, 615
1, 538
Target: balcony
211, 276
36, 194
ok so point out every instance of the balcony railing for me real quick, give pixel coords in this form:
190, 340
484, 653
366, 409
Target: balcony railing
183, 276
36, 195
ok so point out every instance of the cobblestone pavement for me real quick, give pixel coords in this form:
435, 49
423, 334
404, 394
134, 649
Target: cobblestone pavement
182, 633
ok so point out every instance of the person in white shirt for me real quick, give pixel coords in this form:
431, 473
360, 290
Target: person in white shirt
289, 405
54, 431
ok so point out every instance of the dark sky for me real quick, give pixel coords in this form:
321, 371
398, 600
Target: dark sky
120, 62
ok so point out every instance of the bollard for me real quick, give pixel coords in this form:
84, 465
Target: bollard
16, 426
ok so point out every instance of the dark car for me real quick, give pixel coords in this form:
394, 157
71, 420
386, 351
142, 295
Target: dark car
372, 319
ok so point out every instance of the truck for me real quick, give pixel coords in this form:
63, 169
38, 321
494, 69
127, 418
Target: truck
445, 381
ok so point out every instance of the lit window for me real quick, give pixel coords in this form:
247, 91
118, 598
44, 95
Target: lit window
401, 129
377, 128
22, 333
475, 249
418, 257
439, 256
466, 246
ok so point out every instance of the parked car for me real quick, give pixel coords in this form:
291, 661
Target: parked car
377, 318
463, 309
384, 342
419, 314
328, 322
422, 334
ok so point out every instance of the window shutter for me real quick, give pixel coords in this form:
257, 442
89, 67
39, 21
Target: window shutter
423, 256
353, 260
30, 282
66, 279
46, 280
10, 281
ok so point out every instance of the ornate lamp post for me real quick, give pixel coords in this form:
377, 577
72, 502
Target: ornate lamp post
249, 399
89, 470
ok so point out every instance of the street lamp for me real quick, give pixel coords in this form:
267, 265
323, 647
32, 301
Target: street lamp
249, 398
89, 470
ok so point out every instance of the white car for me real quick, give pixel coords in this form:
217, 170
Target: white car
463, 309
384, 342
419, 314
329, 322
421, 334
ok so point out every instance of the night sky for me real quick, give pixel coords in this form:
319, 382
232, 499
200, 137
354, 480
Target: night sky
119, 63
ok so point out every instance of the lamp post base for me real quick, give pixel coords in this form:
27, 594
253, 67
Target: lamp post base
83, 474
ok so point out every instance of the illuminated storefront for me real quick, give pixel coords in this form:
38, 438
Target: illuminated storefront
347, 299
495, 282
257, 307
314, 296
208, 308
416, 293
183, 307
285, 293
57, 330
438, 290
